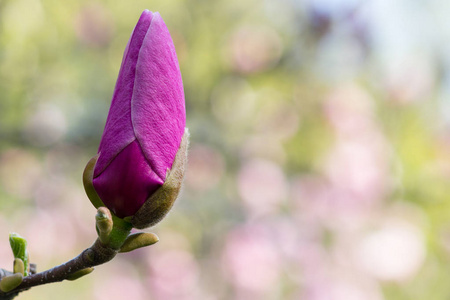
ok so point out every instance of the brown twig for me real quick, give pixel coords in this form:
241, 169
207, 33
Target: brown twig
96, 255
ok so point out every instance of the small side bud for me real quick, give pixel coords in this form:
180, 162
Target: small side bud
79, 274
19, 249
19, 266
104, 224
138, 240
8, 283
159, 203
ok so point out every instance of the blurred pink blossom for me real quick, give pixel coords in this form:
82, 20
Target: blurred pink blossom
358, 165
50, 232
251, 262
349, 110
311, 196
257, 146
277, 118
262, 186
206, 167
341, 286
410, 79
254, 49
46, 125
174, 275
124, 284
360, 170
394, 251
20, 172
94, 25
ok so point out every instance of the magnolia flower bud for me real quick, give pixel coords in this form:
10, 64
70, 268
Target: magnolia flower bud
142, 140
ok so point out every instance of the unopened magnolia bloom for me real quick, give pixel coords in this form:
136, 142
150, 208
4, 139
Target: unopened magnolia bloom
140, 163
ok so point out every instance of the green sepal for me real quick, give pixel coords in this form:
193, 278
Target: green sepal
138, 240
8, 283
19, 266
19, 249
156, 207
79, 274
88, 176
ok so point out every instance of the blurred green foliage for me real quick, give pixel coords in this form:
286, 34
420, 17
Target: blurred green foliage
319, 163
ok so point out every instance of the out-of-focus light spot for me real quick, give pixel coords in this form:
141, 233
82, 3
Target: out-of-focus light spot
349, 109
254, 49
206, 167
263, 146
233, 101
174, 275
410, 79
251, 261
65, 159
94, 26
399, 29
22, 18
46, 126
125, 284
262, 186
358, 164
359, 169
49, 232
394, 252
6, 256
316, 202
276, 118
342, 287
173, 240
20, 172
50, 191
339, 57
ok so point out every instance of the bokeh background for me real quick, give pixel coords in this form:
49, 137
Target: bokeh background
319, 167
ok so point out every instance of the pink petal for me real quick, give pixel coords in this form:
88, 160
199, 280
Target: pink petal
118, 131
157, 107
127, 182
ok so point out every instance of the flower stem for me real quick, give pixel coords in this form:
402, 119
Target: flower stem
96, 255
120, 231
99, 253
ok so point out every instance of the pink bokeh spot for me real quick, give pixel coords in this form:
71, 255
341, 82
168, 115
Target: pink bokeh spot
175, 275
262, 186
251, 261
